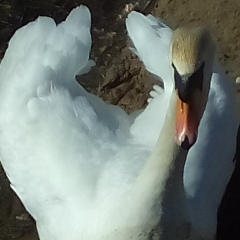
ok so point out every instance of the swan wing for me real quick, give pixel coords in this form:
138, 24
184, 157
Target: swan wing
210, 164
151, 40
60, 146
151, 37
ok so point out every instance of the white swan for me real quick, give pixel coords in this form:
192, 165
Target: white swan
209, 163
79, 167
69, 156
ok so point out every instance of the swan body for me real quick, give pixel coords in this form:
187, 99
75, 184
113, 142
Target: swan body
71, 158
209, 163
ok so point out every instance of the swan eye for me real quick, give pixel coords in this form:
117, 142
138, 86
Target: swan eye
186, 84
179, 83
196, 80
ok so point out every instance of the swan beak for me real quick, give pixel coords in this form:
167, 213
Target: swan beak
190, 106
186, 125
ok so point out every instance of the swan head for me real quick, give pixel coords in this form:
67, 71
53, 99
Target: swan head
192, 56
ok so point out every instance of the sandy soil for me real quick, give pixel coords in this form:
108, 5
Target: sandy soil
119, 77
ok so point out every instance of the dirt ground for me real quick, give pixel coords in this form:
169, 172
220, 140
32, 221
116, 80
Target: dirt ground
119, 77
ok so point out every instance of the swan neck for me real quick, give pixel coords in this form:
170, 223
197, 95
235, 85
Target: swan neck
161, 165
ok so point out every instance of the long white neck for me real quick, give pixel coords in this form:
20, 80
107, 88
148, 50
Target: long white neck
160, 169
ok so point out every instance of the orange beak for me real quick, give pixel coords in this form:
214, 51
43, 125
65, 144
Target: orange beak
186, 125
